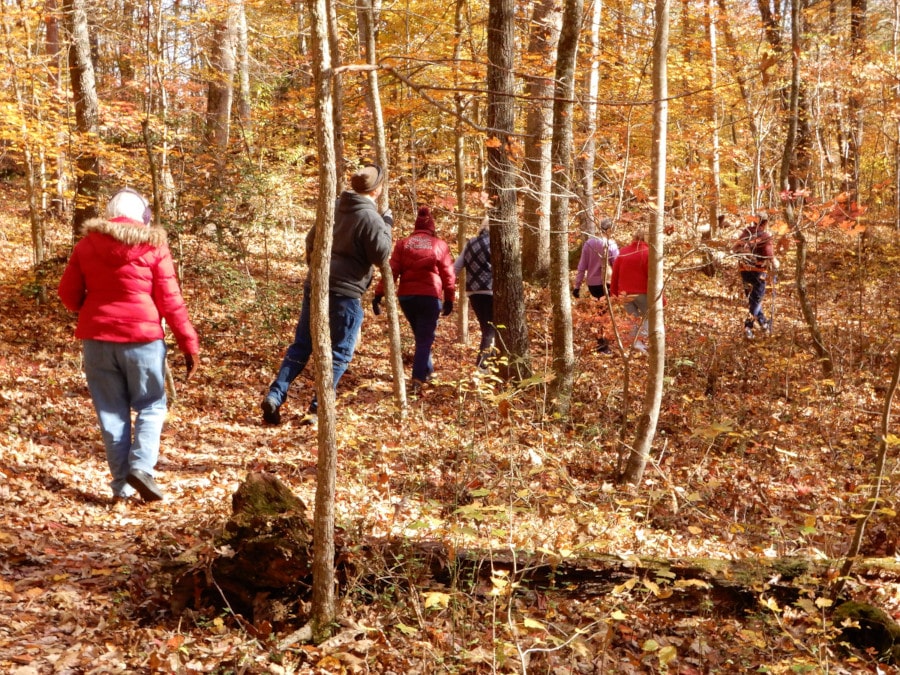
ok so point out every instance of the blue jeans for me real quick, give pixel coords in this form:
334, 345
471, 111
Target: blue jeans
483, 306
755, 289
126, 376
345, 316
422, 312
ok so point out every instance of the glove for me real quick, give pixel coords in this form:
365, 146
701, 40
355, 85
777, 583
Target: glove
388, 216
191, 364
448, 308
576, 292
376, 305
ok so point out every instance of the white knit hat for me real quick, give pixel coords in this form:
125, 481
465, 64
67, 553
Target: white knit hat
129, 204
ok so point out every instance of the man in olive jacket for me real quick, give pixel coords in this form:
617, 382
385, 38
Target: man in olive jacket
361, 239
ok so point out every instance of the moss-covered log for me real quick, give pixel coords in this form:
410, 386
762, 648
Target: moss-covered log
260, 566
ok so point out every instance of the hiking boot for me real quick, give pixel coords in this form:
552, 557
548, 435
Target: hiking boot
311, 418
270, 410
415, 387
748, 333
145, 485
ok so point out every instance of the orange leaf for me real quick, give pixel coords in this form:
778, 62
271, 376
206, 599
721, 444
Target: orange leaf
493, 142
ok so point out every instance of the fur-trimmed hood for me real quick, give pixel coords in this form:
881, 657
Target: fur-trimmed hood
126, 231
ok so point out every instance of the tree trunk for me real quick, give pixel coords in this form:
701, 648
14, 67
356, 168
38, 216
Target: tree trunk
84, 93
646, 426
855, 98
587, 157
714, 180
459, 164
788, 183
337, 108
324, 606
561, 154
366, 17
543, 38
506, 254
220, 88
243, 67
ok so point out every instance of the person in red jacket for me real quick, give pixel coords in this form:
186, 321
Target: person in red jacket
424, 266
121, 281
755, 255
629, 282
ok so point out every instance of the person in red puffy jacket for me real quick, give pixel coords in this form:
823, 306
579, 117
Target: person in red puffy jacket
121, 280
423, 264
629, 284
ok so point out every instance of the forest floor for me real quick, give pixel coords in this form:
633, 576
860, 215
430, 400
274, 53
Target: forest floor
757, 456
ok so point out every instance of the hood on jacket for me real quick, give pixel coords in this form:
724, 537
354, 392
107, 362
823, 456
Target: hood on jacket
130, 239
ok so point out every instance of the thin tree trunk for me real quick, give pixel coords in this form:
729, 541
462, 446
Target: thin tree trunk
459, 163
337, 108
714, 179
87, 106
646, 426
788, 185
243, 68
856, 97
538, 129
585, 160
506, 252
561, 154
323, 604
366, 17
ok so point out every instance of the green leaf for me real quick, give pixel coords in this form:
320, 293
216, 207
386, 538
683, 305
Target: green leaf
406, 630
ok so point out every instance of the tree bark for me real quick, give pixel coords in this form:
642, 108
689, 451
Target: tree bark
587, 157
366, 17
459, 164
561, 155
243, 68
543, 38
506, 252
87, 106
220, 88
714, 180
646, 426
788, 183
324, 606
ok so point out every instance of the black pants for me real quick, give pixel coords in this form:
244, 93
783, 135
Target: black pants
483, 306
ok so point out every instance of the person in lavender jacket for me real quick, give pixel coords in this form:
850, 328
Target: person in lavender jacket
598, 252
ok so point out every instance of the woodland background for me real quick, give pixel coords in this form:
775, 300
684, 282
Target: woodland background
209, 108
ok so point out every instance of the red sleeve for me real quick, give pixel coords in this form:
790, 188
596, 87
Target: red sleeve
171, 305
614, 282
72, 289
396, 256
445, 269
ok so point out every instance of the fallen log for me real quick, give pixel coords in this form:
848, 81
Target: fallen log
260, 567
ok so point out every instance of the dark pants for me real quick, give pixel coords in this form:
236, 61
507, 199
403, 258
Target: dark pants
483, 306
754, 290
345, 316
422, 312
599, 290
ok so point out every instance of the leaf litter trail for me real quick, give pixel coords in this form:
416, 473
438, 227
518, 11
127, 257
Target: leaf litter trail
755, 456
